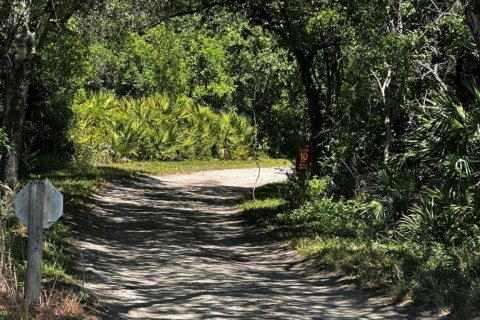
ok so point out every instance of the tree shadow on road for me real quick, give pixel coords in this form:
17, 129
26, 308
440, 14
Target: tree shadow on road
156, 250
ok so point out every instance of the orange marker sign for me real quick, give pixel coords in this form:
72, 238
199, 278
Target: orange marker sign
304, 159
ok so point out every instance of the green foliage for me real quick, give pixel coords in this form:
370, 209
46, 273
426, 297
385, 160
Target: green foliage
156, 128
319, 188
225, 63
209, 80
342, 236
441, 160
60, 67
444, 141
4, 145
394, 194
242, 58
138, 65
329, 217
268, 87
440, 219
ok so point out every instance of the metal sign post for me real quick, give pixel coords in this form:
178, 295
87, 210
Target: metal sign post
38, 206
303, 165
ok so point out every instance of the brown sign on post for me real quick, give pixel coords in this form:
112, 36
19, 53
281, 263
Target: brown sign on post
304, 159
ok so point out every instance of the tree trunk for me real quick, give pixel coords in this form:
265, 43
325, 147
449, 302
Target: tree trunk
316, 116
472, 16
388, 132
333, 84
383, 86
16, 88
18, 68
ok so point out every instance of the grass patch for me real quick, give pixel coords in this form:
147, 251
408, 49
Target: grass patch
267, 209
264, 212
376, 264
185, 167
433, 276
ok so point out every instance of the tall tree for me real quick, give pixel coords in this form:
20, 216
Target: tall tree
472, 15
313, 32
23, 28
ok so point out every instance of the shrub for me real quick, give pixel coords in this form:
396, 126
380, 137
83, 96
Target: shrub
156, 128
318, 188
325, 216
438, 218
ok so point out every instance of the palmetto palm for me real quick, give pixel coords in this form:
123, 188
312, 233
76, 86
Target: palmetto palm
157, 127
443, 152
446, 143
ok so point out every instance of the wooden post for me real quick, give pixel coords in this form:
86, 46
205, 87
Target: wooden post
38, 205
303, 179
303, 164
36, 212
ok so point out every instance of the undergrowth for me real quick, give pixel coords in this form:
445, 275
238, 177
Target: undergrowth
156, 128
346, 238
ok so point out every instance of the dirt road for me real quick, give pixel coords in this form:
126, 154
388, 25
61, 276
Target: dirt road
175, 248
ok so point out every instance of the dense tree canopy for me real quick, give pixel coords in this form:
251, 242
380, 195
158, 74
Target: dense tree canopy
269, 60
23, 28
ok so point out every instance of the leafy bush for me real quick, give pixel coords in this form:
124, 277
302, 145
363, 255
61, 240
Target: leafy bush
318, 188
4, 145
441, 155
156, 128
429, 196
394, 191
440, 219
328, 217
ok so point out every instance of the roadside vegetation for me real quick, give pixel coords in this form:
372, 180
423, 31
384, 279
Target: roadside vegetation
417, 257
385, 93
108, 129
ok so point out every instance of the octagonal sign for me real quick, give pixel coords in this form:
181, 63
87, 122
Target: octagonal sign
51, 198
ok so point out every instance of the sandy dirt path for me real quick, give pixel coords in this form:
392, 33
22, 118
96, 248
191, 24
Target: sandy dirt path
175, 248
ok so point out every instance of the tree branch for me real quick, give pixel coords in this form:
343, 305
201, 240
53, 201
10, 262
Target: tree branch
472, 16
189, 11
